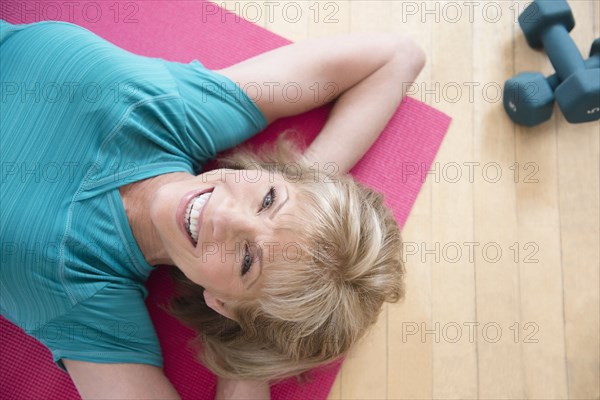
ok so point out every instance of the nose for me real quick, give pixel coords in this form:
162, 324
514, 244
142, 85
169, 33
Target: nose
232, 224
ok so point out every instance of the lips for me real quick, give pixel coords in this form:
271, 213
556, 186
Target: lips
180, 214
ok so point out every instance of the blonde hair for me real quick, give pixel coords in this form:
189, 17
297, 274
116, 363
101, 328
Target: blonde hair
314, 307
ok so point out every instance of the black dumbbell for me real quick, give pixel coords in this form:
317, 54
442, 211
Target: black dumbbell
529, 96
546, 23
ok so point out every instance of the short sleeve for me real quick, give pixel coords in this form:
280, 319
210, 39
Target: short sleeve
216, 107
113, 326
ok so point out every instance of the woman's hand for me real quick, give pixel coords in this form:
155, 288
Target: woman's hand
228, 389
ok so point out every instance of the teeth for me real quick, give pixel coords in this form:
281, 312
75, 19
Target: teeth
192, 213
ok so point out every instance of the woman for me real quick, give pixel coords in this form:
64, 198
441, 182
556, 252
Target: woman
281, 260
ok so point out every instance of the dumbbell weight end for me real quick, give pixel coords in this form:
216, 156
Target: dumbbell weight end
579, 96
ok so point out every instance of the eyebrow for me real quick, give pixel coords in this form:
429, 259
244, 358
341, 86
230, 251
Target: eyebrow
260, 252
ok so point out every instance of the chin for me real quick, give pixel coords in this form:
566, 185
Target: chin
162, 212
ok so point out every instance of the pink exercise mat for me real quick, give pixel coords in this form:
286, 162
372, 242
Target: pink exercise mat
182, 31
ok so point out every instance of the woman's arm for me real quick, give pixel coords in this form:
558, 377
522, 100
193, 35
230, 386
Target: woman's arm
361, 113
367, 73
233, 389
119, 380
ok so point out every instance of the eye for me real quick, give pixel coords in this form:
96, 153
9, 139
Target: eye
269, 199
247, 261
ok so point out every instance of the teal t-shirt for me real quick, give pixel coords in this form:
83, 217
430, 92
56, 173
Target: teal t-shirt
79, 118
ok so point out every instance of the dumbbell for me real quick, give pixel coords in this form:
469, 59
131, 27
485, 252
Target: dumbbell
529, 96
547, 23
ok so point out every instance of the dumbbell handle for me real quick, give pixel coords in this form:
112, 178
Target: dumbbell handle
590, 63
562, 52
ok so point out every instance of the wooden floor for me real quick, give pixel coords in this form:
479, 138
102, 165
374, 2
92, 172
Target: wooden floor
502, 243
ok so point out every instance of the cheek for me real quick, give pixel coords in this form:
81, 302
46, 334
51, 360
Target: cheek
193, 269
216, 271
206, 270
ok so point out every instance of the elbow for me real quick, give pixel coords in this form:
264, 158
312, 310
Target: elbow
409, 56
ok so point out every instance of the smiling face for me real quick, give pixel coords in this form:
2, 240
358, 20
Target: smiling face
237, 215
